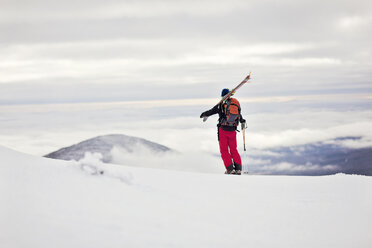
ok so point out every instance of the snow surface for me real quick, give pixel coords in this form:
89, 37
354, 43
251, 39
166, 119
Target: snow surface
52, 203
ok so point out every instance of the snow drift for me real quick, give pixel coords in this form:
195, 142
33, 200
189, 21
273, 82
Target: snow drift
55, 203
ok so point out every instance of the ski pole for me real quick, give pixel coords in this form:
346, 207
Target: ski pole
243, 129
245, 167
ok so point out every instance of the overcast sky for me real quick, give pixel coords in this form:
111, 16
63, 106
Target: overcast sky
78, 51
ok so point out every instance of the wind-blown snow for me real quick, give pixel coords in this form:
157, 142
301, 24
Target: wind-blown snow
51, 203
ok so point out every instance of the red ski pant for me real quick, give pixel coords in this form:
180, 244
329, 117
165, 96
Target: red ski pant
228, 147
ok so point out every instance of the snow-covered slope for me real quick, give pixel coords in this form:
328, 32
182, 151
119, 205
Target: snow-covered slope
105, 144
54, 203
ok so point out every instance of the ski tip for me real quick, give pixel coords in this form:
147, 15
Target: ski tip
247, 77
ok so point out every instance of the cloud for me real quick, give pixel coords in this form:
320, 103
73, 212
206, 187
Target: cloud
124, 58
285, 168
141, 9
363, 142
46, 10
300, 136
186, 161
353, 22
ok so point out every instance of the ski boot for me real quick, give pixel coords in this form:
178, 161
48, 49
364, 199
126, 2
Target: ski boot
230, 169
238, 169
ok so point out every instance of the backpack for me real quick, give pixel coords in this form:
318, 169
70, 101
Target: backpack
231, 111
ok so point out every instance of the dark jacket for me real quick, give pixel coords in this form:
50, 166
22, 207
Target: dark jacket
218, 109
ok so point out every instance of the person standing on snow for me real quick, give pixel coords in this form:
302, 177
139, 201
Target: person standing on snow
228, 121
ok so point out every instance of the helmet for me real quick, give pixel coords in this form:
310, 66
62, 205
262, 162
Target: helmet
224, 92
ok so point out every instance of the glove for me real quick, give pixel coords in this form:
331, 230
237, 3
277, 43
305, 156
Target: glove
243, 124
202, 115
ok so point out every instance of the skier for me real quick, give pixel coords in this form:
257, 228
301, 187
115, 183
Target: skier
229, 118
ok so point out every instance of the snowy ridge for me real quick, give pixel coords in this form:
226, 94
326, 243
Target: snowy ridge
46, 202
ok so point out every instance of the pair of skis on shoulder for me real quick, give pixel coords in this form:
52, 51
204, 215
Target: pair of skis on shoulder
231, 92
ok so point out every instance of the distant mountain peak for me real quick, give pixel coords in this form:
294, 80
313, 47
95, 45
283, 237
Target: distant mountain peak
104, 144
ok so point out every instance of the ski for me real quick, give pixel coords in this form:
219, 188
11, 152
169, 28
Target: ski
231, 92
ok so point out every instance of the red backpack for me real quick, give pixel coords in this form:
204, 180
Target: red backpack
231, 110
